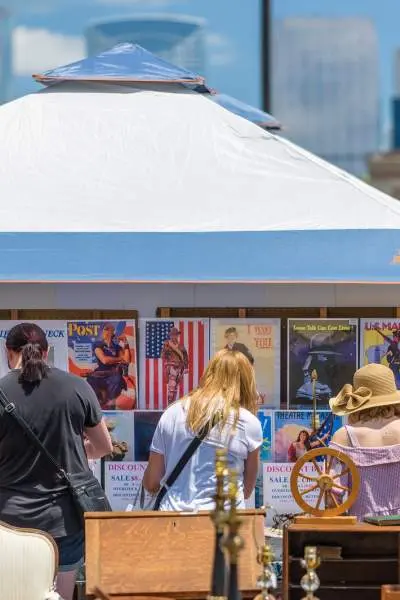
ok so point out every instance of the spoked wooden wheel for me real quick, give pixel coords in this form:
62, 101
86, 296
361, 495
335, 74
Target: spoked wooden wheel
324, 481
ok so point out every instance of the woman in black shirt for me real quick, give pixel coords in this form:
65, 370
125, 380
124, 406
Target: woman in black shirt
65, 414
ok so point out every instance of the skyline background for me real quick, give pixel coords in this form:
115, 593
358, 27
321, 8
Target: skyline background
49, 33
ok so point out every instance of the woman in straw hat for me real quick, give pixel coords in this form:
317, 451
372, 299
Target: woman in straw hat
371, 438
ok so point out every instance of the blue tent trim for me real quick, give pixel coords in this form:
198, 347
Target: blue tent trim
350, 256
255, 115
128, 63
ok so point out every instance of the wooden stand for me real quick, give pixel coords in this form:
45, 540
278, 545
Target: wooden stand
369, 557
162, 553
310, 520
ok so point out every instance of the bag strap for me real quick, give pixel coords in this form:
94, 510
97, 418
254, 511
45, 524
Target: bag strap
184, 459
10, 409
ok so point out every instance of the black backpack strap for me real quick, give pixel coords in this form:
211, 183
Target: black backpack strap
184, 459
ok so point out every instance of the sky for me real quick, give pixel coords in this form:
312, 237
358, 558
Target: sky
50, 33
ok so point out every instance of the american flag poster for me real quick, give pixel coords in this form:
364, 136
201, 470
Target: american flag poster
174, 354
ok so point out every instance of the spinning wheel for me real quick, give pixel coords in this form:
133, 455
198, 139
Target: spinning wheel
329, 492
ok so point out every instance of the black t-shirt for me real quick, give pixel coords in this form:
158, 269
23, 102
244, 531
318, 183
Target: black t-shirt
58, 410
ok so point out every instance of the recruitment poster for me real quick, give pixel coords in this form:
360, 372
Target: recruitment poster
259, 341
56, 334
122, 483
326, 348
294, 434
277, 493
174, 354
145, 423
265, 417
104, 353
120, 425
380, 343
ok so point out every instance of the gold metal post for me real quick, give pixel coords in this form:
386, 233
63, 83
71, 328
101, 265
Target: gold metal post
219, 517
315, 417
232, 542
310, 581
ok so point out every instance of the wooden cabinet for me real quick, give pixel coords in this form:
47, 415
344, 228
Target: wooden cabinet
369, 559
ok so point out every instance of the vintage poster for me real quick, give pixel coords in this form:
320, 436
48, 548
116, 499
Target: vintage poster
56, 333
104, 353
174, 354
326, 348
259, 341
278, 498
122, 483
145, 423
294, 434
380, 343
265, 417
120, 424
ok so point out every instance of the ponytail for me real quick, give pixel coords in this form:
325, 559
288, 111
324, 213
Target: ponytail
33, 367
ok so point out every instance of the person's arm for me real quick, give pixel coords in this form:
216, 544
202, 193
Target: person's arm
154, 472
251, 465
107, 360
97, 441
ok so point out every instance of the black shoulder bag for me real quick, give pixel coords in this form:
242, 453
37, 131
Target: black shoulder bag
184, 459
86, 492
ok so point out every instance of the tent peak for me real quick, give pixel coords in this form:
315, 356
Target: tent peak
126, 62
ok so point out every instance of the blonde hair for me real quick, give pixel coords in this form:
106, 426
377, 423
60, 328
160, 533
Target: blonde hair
227, 384
378, 412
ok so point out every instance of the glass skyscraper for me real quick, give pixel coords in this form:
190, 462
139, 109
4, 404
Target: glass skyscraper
325, 87
176, 38
5, 55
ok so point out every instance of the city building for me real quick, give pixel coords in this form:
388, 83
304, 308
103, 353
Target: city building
325, 87
176, 38
5, 55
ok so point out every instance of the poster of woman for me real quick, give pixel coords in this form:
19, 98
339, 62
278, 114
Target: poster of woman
294, 434
380, 343
259, 341
104, 353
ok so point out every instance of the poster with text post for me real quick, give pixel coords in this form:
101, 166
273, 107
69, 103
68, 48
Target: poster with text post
380, 343
259, 341
120, 424
173, 356
56, 335
323, 348
104, 353
122, 483
294, 434
278, 498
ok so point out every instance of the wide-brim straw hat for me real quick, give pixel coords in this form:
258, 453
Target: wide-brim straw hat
373, 386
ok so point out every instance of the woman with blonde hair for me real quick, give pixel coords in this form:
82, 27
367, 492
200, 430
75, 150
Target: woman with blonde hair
224, 405
371, 438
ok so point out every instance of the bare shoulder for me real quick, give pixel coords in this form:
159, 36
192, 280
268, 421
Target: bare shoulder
340, 437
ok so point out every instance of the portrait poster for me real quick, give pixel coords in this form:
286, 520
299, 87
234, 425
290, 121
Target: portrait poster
104, 353
173, 356
56, 334
277, 493
259, 340
145, 423
120, 424
294, 435
266, 451
325, 347
380, 343
122, 483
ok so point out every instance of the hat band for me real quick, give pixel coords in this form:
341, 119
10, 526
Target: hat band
350, 399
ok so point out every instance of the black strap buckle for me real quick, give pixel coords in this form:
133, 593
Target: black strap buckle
10, 407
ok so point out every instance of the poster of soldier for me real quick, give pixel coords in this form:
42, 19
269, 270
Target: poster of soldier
104, 353
325, 348
380, 343
120, 424
173, 355
259, 340
56, 334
